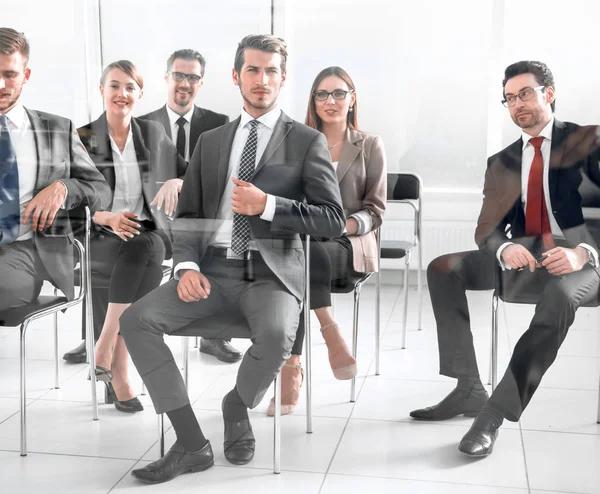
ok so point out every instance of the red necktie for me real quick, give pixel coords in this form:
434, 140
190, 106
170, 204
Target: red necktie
537, 223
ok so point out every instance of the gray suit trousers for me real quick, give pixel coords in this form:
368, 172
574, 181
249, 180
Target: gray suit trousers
269, 309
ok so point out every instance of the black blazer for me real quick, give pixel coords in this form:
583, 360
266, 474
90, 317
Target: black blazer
574, 153
157, 158
202, 120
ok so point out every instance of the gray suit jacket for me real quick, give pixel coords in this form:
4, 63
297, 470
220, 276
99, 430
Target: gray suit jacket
61, 156
362, 176
295, 167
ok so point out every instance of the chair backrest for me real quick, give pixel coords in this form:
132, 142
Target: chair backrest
404, 186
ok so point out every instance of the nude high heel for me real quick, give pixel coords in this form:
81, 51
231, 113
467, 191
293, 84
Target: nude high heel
291, 382
342, 354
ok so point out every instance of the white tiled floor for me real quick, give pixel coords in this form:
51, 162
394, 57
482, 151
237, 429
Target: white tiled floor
368, 446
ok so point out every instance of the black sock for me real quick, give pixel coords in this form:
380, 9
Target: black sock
188, 432
471, 385
493, 411
234, 408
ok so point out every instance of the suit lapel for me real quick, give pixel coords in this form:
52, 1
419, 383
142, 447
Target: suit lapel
101, 150
349, 153
557, 147
196, 127
281, 130
43, 145
163, 117
214, 194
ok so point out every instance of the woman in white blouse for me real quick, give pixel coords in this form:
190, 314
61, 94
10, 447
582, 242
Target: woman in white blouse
131, 238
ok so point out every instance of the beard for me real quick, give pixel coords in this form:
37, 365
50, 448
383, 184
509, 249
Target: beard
265, 104
7, 104
532, 118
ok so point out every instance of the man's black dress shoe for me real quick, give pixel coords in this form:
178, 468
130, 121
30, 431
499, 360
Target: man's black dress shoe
174, 463
78, 355
221, 349
239, 442
456, 403
480, 439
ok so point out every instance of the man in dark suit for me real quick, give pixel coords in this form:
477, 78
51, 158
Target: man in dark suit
184, 122
44, 172
251, 188
531, 223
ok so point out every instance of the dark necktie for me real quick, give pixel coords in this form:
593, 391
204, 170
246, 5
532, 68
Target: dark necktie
240, 234
181, 136
537, 222
10, 213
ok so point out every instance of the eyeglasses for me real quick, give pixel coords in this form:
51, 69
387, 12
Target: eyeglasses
524, 95
180, 76
337, 94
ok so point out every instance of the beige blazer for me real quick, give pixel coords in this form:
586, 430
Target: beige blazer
362, 177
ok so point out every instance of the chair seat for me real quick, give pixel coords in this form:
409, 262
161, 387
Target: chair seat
394, 249
348, 284
102, 281
14, 317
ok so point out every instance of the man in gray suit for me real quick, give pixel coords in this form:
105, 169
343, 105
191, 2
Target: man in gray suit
44, 172
251, 188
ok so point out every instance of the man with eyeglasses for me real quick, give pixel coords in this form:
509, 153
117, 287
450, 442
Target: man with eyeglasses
531, 224
184, 122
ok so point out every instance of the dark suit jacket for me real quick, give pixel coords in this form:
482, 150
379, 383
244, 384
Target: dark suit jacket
157, 158
362, 177
295, 167
574, 151
61, 156
202, 120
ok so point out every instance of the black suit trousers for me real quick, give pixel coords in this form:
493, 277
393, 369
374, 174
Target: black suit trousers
558, 298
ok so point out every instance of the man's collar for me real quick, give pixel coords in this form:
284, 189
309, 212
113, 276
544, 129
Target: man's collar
269, 119
173, 117
546, 133
17, 116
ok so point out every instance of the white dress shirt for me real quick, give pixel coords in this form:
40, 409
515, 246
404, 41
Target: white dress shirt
222, 236
187, 127
526, 162
23, 140
128, 194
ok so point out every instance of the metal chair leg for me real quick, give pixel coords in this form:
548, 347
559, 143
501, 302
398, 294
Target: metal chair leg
56, 369
420, 287
355, 339
494, 356
405, 314
161, 434
197, 343
307, 340
598, 418
86, 280
23, 390
377, 321
277, 427
143, 392
185, 348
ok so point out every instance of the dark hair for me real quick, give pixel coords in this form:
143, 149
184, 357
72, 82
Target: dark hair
539, 70
126, 66
12, 41
312, 119
189, 55
263, 42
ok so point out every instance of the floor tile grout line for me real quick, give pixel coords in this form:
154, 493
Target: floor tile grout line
524, 457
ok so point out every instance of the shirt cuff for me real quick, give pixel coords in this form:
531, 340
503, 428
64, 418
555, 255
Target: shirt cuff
503, 265
64, 204
364, 220
269, 212
185, 265
593, 254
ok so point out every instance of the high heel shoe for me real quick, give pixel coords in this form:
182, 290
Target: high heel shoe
129, 406
102, 374
347, 371
290, 389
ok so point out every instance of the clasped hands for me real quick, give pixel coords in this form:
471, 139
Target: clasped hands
557, 261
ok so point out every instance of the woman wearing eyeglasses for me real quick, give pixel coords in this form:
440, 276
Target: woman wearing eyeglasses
130, 239
360, 163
